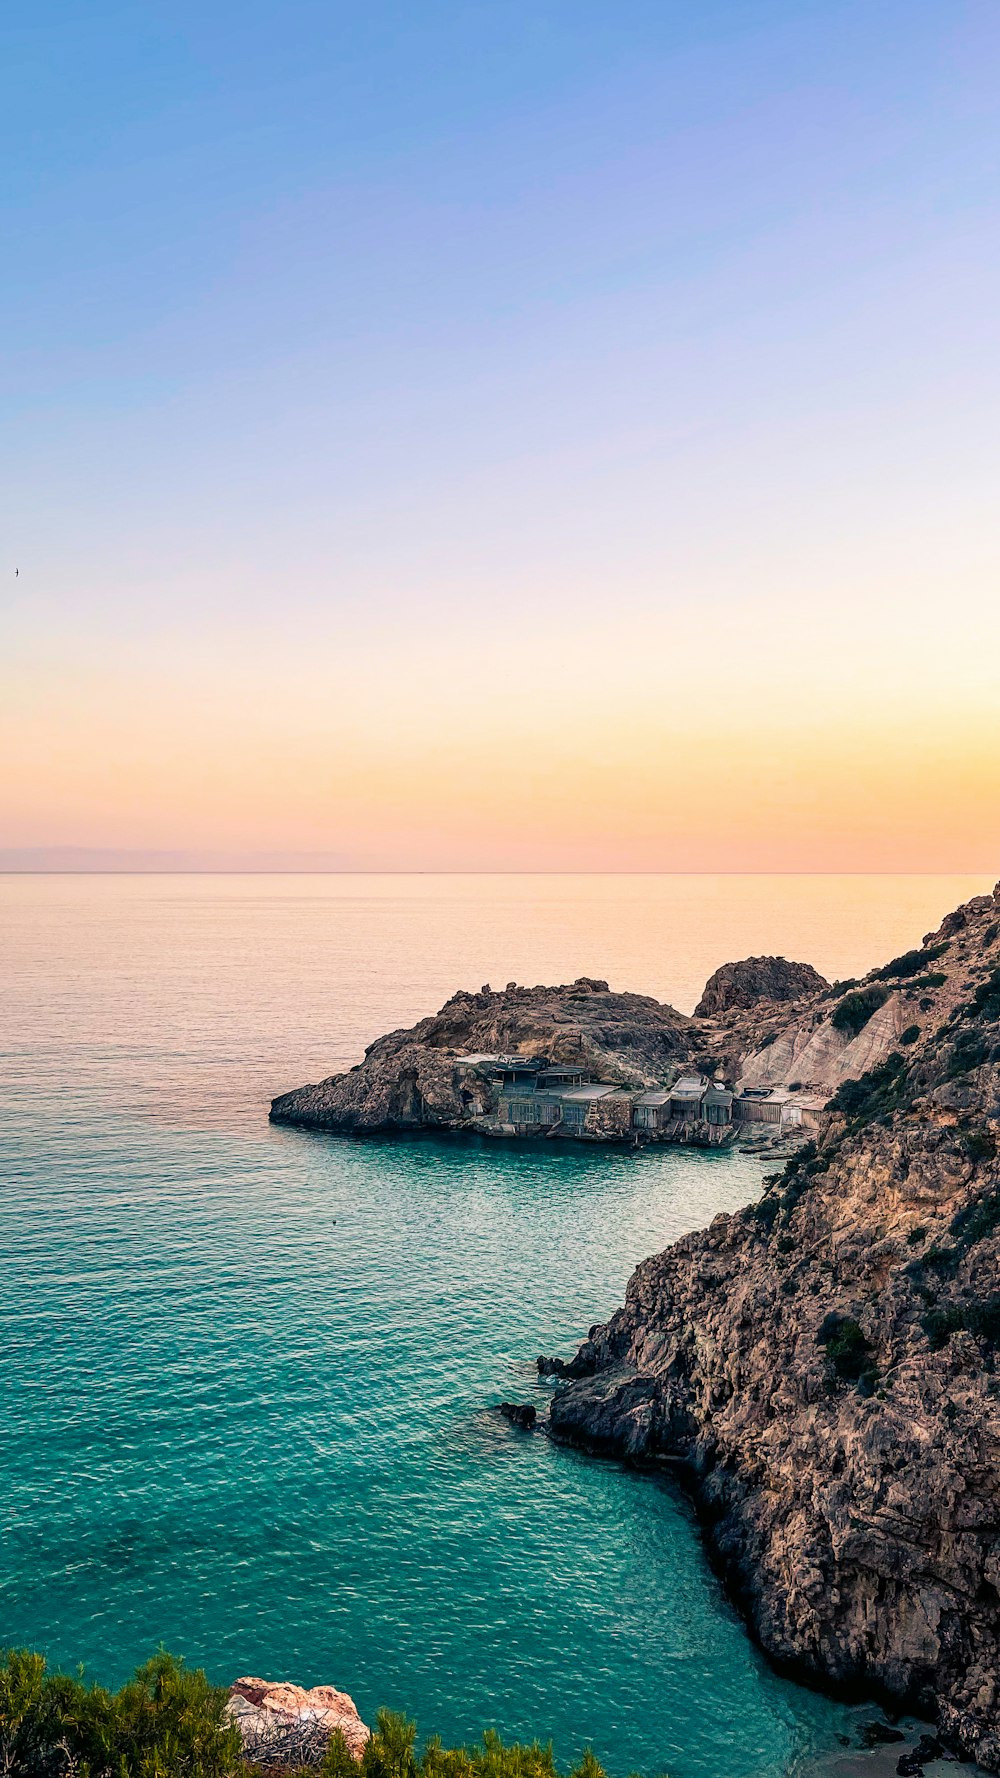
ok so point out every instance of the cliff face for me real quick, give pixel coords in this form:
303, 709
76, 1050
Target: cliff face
416, 1079
825, 1362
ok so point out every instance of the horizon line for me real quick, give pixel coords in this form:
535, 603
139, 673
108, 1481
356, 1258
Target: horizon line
462, 871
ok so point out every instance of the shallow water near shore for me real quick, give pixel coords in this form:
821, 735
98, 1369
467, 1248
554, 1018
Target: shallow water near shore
251, 1370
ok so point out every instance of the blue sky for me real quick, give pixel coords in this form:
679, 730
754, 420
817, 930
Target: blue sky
369, 323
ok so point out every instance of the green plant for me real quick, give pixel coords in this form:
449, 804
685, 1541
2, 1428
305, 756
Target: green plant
986, 999
916, 1235
980, 1145
911, 962
169, 1722
910, 1035
848, 1352
970, 1051
166, 1722
982, 1320
935, 979
941, 1259
977, 1219
854, 1011
874, 1094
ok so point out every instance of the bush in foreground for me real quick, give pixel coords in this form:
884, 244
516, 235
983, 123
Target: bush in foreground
169, 1722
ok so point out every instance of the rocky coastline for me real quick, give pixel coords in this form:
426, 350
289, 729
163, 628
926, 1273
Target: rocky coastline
824, 1365
769, 1023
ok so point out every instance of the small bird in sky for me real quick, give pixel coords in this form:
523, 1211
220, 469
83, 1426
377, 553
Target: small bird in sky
16, 572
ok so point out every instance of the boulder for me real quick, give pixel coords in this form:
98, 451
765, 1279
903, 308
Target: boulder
753, 979
282, 1724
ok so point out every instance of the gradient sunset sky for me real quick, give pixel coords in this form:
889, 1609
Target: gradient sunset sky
518, 435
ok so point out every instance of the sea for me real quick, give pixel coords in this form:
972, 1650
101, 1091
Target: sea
250, 1374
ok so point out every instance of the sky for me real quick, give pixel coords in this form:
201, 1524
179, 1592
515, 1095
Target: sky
530, 435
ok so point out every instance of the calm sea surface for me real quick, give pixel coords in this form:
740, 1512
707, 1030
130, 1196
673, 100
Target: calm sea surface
249, 1371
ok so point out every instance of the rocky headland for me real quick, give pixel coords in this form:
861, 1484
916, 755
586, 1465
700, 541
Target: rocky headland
824, 1364
768, 1021
418, 1078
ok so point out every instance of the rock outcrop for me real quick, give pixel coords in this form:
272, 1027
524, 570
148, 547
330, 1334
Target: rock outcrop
747, 983
520, 1413
422, 1078
416, 1079
826, 1363
284, 1725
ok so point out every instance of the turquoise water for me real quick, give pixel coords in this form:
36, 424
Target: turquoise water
250, 1372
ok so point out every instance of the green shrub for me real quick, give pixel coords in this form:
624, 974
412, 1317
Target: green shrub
977, 1219
970, 1051
935, 979
941, 1259
986, 999
916, 1235
982, 1320
910, 1035
854, 1011
980, 1145
168, 1722
874, 1094
911, 962
848, 1353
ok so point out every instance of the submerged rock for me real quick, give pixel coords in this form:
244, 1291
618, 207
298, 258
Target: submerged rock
880, 1734
519, 1413
558, 1367
282, 1724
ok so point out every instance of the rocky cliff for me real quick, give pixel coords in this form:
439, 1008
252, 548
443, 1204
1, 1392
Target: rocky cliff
824, 1364
417, 1078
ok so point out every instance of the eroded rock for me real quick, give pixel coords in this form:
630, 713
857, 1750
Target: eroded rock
284, 1725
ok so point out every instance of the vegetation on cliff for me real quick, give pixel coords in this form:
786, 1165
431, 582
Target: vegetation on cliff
169, 1722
